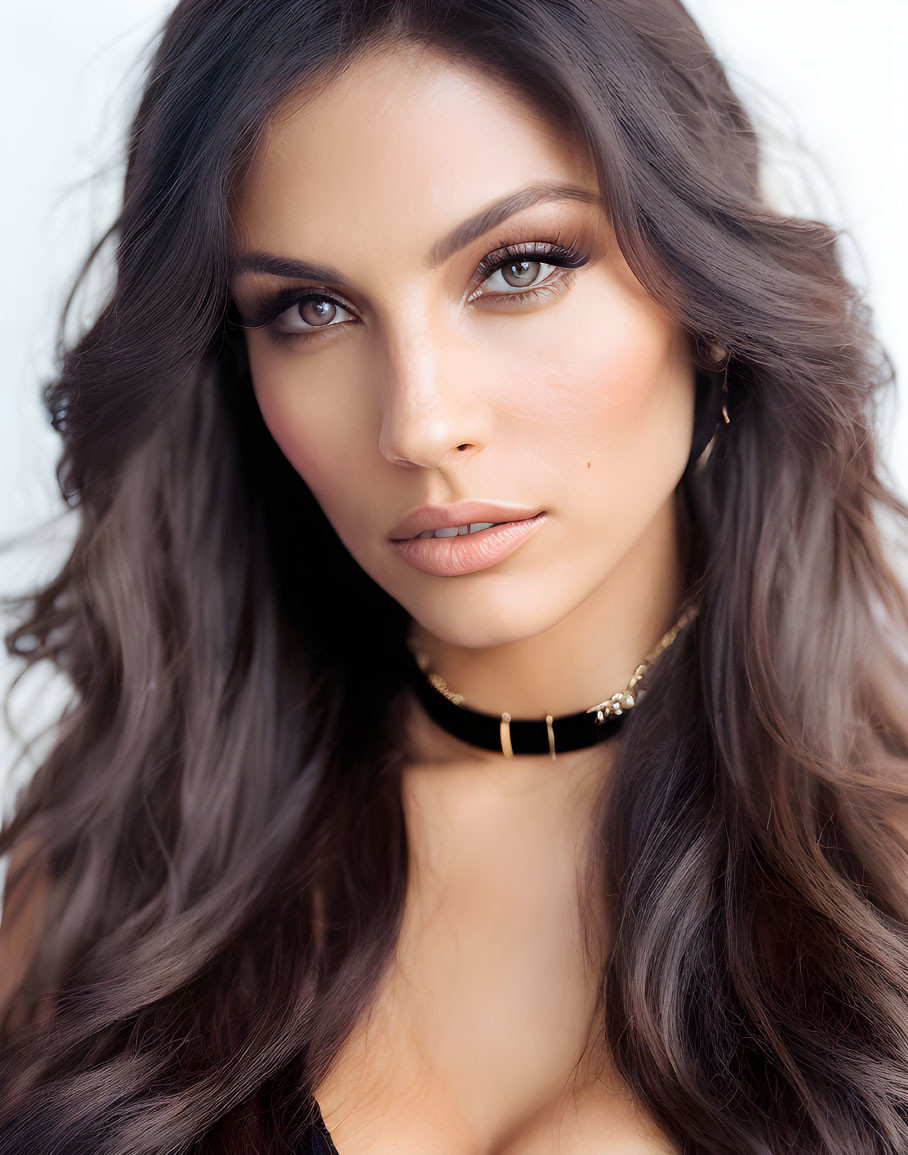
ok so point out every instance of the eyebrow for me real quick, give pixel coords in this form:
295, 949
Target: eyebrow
443, 249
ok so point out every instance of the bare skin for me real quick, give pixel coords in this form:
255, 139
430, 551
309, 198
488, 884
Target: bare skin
422, 392
481, 1040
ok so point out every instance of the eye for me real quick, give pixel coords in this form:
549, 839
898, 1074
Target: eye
514, 271
311, 313
515, 274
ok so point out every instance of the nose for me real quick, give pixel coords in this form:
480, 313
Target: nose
433, 411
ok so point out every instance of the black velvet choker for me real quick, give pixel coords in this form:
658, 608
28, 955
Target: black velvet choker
511, 736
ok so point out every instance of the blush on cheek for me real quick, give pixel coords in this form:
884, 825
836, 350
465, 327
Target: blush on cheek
645, 381
640, 422
286, 425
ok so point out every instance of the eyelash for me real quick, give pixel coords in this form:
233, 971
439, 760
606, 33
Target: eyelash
560, 256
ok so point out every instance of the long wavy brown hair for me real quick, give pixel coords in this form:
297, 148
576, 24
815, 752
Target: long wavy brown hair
187, 990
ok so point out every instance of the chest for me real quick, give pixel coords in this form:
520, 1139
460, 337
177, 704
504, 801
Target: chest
491, 1063
482, 1038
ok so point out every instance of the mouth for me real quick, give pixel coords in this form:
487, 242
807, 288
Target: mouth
459, 518
460, 530
453, 551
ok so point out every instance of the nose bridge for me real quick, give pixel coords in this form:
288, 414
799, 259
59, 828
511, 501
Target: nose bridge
428, 408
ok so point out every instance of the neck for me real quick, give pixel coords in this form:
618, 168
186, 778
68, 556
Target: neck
588, 655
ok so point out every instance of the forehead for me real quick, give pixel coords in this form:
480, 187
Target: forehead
404, 140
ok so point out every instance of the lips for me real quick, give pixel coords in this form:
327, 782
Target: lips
462, 554
432, 517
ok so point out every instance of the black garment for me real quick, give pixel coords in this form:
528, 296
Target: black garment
317, 1140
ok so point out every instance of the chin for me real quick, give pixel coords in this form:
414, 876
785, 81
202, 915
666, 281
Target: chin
491, 613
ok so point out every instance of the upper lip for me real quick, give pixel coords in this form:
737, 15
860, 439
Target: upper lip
459, 513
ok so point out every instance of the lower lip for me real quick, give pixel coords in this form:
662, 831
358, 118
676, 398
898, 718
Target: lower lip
469, 552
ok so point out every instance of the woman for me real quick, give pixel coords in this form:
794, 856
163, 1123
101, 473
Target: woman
574, 828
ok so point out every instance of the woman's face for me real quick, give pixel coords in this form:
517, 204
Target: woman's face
426, 366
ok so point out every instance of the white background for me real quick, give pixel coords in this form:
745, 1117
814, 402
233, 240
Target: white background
825, 79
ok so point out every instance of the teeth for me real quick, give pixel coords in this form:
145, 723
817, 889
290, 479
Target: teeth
460, 530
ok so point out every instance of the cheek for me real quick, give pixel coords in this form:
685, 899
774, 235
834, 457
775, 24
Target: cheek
606, 415
285, 415
313, 427
642, 413
642, 428
613, 410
